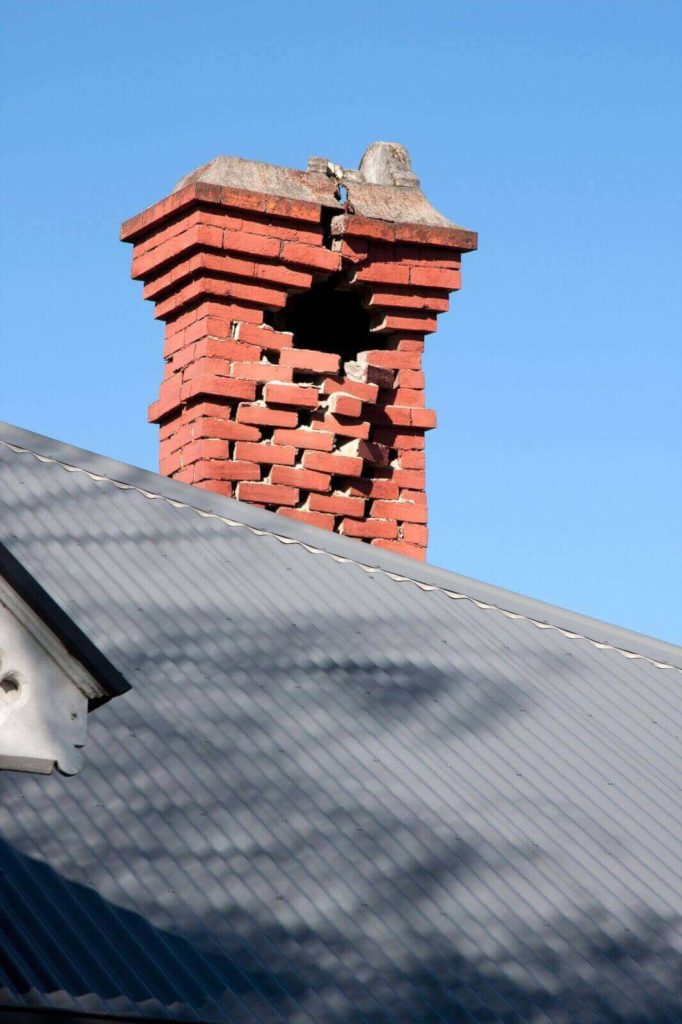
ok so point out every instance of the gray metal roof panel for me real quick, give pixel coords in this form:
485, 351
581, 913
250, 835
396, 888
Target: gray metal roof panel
330, 795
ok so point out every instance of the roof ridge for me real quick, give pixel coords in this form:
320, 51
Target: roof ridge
344, 559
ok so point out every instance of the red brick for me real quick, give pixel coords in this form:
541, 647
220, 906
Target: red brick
226, 469
413, 478
341, 426
424, 324
369, 528
433, 277
399, 299
205, 368
351, 249
305, 479
410, 379
384, 273
283, 275
168, 401
283, 455
328, 463
261, 415
401, 547
365, 392
169, 464
291, 394
265, 337
371, 487
202, 449
418, 496
269, 494
217, 486
257, 245
226, 387
314, 439
310, 256
213, 426
337, 504
342, 404
412, 460
415, 533
425, 419
409, 343
390, 360
262, 372
324, 522
408, 397
310, 359
401, 511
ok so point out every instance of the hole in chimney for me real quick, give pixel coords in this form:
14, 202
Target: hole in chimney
9, 689
326, 318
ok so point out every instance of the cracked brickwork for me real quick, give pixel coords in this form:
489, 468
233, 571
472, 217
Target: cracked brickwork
246, 412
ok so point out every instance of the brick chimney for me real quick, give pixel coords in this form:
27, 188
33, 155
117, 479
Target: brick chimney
296, 306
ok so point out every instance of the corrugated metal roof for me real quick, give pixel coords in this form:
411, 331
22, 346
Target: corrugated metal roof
333, 793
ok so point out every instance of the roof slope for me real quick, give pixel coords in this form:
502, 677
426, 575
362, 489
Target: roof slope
333, 794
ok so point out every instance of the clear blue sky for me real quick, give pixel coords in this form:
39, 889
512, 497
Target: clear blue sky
551, 127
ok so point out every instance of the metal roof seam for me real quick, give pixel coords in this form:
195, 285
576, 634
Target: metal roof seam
600, 645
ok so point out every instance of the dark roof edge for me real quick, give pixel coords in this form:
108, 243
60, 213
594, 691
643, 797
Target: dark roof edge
63, 627
346, 547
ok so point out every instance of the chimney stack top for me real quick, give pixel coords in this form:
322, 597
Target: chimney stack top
384, 187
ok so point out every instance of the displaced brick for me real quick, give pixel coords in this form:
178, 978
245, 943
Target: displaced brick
390, 360
357, 389
343, 404
377, 454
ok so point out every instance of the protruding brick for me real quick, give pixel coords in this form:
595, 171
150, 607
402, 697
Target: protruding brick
261, 372
371, 487
356, 388
342, 404
225, 469
370, 451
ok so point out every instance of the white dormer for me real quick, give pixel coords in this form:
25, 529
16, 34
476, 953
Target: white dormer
44, 693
